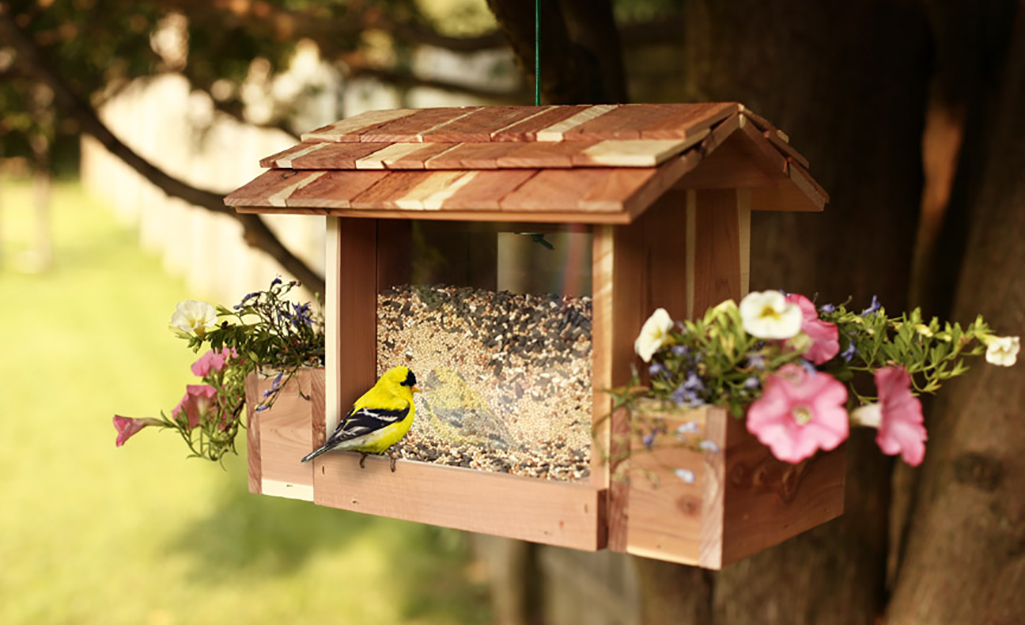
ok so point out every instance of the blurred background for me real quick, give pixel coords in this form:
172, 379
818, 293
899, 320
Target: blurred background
122, 124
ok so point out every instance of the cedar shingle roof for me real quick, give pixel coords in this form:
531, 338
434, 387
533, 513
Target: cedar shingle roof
591, 164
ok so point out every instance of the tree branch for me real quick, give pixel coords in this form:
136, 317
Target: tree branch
408, 80
255, 230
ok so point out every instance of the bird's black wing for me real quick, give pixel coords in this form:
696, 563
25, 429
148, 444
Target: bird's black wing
364, 421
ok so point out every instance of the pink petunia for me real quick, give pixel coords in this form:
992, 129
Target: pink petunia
898, 415
212, 361
198, 400
799, 413
128, 427
824, 335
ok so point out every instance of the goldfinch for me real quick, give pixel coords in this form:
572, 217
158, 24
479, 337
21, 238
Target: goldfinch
378, 419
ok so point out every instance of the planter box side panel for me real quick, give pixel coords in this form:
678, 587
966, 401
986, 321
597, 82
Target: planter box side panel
285, 433
768, 501
675, 505
542, 511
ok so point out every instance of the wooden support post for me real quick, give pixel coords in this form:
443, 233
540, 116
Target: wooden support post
351, 308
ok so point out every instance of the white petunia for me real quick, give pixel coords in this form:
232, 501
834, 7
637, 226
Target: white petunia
194, 317
1002, 350
768, 315
654, 334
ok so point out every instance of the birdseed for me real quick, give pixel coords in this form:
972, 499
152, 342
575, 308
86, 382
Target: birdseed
506, 377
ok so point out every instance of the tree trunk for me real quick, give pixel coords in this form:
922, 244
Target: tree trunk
965, 556
580, 56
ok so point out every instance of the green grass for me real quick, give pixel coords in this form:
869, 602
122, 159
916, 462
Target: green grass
90, 533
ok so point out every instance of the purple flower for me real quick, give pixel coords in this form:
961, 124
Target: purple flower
679, 350
873, 307
848, 353
808, 366
655, 369
827, 308
752, 383
756, 361
276, 281
649, 438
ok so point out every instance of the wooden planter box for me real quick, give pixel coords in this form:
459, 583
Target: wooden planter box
712, 507
661, 195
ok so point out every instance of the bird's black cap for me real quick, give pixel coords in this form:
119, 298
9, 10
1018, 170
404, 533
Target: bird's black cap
410, 380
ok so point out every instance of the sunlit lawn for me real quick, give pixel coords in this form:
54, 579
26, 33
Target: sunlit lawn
94, 534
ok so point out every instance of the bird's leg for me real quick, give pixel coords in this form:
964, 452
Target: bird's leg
362, 457
392, 456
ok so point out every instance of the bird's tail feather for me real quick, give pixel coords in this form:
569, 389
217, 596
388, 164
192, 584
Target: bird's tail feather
316, 453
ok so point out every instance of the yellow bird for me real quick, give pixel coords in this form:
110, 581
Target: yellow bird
378, 419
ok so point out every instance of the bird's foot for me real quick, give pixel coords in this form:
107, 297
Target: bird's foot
392, 462
362, 458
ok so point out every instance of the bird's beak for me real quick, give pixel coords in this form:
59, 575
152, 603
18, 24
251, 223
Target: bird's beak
415, 389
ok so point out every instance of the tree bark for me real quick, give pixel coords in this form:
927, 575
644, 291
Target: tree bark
572, 72
965, 556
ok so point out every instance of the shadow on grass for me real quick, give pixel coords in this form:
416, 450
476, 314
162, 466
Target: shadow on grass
271, 535
246, 535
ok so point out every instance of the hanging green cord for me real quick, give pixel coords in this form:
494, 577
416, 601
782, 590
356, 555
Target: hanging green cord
537, 52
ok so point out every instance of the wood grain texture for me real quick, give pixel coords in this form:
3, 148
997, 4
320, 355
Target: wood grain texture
333, 189
388, 154
615, 188
602, 257
471, 156
478, 126
768, 501
558, 131
740, 501
808, 186
284, 158
409, 129
257, 191
484, 190
355, 368
558, 189
667, 514
763, 153
284, 432
667, 177
349, 129
717, 271
445, 214
543, 155
253, 395
782, 197
542, 511
527, 129
322, 155
433, 191
622, 247
728, 165
649, 153
689, 119
389, 188
623, 123
774, 135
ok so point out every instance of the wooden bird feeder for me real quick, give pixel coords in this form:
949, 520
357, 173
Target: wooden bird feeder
509, 255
